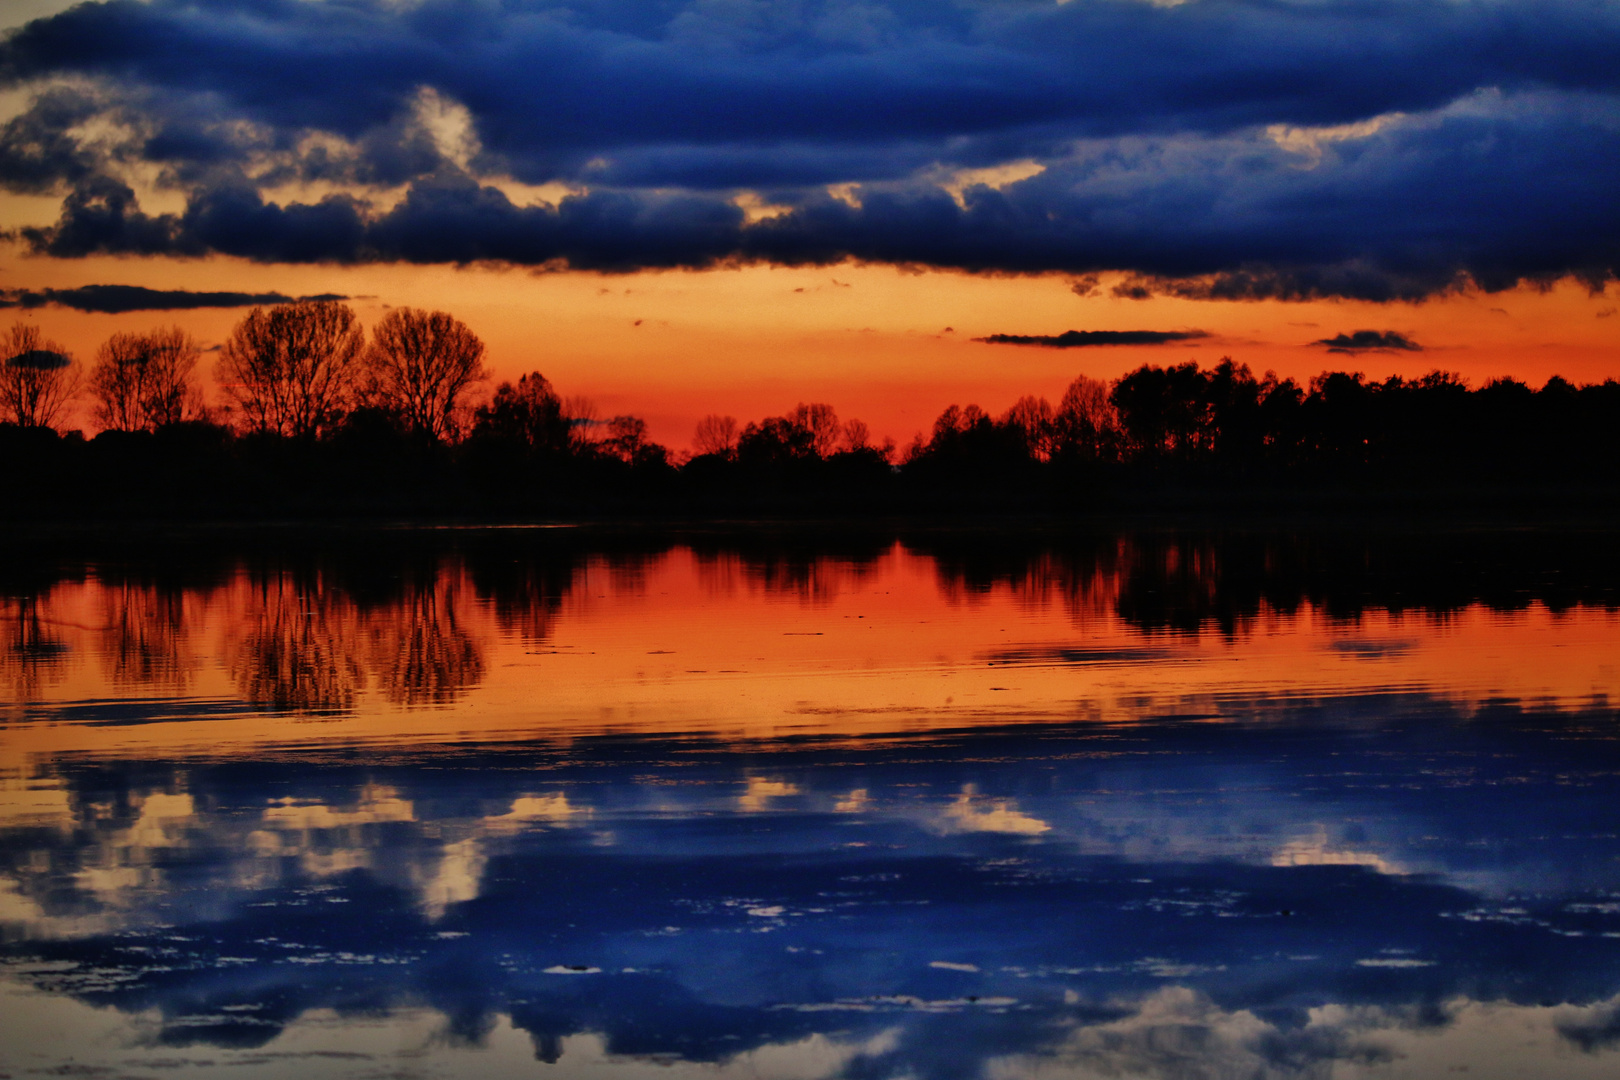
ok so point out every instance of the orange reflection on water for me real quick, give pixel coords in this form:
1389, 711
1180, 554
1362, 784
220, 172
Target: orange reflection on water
685, 640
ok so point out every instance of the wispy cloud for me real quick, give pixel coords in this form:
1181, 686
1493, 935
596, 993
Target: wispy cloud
115, 299
1370, 341
1078, 339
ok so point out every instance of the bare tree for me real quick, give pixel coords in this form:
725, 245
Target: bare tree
143, 381
37, 377
716, 435
1087, 424
581, 414
420, 367
626, 437
821, 421
1033, 417
857, 436
293, 369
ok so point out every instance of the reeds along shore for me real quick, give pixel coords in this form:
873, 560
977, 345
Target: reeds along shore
318, 419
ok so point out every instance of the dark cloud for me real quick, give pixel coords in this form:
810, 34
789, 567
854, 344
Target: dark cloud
102, 216
1370, 341
37, 149
1077, 339
116, 299
780, 73
1598, 1029
39, 360
1173, 140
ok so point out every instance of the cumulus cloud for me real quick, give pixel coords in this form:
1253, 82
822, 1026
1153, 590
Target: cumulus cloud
1370, 341
1230, 149
116, 299
1078, 339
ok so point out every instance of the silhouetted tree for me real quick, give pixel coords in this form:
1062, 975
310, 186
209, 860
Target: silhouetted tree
807, 433
1164, 411
968, 446
627, 440
716, 435
38, 378
420, 367
142, 382
1086, 426
821, 421
527, 414
293, 370
776, 440
1032, 418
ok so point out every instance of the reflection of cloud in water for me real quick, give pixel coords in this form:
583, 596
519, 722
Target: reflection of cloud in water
127, 864
1173, 1033
761, 791
531, 809
971, 812
853, 803
328, 840
454, 880
376, 803
1178, 1034
35, 802
1318, 850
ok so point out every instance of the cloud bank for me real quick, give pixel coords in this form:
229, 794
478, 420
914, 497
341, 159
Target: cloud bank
1078, 339
1223, 149
1370, 341
116, 299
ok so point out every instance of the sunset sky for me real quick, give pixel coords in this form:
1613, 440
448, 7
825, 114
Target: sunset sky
677, 207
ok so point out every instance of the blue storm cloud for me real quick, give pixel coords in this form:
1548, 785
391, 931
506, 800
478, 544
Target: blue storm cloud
1221, 148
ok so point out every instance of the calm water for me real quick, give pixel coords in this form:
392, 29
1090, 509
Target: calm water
549, 803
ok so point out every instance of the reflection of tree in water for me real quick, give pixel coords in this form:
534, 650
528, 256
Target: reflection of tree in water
312, 648
816, 571
1220, 581
1085, 575
1179, 584
419, 653
300, 651
1087, 584
1156, 582
526, 593
144, 640
32, 657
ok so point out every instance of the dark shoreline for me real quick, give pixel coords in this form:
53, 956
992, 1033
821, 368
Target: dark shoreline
1221, 509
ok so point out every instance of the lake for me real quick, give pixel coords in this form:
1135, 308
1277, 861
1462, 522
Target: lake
811, 803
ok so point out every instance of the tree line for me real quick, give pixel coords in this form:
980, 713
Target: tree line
317, 416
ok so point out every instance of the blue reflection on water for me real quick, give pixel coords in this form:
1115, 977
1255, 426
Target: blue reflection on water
975, 894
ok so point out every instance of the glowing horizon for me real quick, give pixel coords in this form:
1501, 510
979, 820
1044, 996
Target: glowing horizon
673, 346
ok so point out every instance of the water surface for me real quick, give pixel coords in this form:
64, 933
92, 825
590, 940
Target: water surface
547, 802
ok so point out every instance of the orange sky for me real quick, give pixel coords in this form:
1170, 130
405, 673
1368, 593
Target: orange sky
871, 341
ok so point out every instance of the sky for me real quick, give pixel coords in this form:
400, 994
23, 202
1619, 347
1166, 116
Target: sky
677, 207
